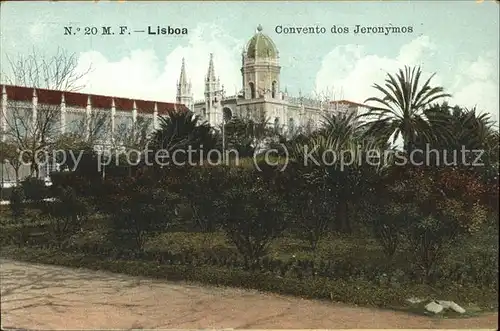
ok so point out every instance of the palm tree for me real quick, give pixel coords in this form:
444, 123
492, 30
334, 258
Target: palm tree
341, 125
337, 149
182, 130
401, 109
464, 128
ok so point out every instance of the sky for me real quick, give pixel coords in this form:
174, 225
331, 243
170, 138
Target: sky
458, 41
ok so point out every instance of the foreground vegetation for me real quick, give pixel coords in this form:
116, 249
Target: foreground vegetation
351, 232
241, 236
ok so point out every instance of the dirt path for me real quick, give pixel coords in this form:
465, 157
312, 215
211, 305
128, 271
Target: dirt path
49, 297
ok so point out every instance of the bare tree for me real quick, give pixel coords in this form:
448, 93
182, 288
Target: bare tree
58, 72
34, 128
9, 153
135, 136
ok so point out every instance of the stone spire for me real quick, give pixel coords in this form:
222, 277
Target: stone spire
184, 95
211, 70
182, 78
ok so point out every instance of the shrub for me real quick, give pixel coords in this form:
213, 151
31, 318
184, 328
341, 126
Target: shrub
18, 210
66, 214
137, 206
437, 205
34, 189
388, 223
17, 205
311, 204
201, 187
251, 216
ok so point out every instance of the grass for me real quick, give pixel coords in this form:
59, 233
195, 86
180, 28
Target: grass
356, 252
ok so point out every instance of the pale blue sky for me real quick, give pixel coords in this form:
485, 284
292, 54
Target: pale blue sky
456, 39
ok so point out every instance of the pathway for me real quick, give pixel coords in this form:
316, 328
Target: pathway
49, 297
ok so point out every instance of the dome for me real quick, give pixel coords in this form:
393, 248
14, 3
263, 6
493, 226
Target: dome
261, 46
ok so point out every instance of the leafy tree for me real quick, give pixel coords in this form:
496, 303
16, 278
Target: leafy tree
349, 161
464, 128
137, 206
438, 204
245, 135
310, 199
251, 217
202, 186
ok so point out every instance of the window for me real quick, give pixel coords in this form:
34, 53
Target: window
273, 93
252, 90
75, 122
291, 126
227, 113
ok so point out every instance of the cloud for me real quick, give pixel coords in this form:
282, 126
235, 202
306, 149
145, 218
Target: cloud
477, 85
145, 75
350, 72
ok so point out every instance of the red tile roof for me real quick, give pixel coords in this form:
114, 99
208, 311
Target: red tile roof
53, 97
349, 103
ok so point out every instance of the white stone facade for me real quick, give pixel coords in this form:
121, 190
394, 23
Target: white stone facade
260, 97
107, 120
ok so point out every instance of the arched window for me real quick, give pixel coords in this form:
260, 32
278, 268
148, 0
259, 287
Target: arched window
204, 112
273, 93
252, 90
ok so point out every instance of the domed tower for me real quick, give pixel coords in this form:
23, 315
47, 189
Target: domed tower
260, 67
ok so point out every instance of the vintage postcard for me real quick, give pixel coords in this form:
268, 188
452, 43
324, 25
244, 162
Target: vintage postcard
337, 150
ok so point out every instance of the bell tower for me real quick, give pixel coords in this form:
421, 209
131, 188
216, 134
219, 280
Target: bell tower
260, 67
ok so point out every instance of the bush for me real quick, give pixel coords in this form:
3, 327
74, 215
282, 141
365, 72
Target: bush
18, 210
137, 206
312, 204
35, 189
437, 205
251, 217
66, 214
200, 187
17, 205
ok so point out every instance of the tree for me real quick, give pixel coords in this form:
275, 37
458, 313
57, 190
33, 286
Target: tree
18, 209
343, 154
138, 206
438, 205
311, 203
182, 131
465, 128
35, 132
250, 215
9, 153
66, 215
401, 109
201, 187
242, 134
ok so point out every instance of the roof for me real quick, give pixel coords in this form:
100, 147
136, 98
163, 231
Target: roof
261, 46
75, 99
350, 103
